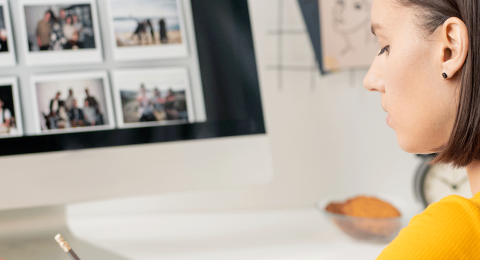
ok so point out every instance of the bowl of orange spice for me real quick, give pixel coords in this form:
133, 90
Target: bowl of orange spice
373, 218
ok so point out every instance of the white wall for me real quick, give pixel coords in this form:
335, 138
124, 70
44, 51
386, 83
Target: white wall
326, 138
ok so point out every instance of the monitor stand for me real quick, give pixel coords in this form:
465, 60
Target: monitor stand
29, 234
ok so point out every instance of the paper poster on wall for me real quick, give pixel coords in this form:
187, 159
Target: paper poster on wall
346, 38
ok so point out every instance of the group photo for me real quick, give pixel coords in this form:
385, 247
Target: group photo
153, 97
73, 104
8, 117
146, 22
59, 27
147, 29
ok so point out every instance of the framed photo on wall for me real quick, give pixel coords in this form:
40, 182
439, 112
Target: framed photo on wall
147, 29
72, 102
10, 108
152, 97
7, 46
60, 32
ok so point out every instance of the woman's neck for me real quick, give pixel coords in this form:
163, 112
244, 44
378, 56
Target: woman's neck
473, 171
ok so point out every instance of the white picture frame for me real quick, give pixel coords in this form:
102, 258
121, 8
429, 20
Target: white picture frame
50, 84
59, 57
8, 58
148, 52
13, 83
175, 78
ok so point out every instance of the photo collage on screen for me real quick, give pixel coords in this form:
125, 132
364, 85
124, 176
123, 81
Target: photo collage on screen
64, 33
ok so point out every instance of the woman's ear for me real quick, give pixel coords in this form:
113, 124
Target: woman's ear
454, 36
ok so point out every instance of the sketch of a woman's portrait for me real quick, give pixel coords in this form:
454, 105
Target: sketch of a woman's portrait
346, 38
351, 19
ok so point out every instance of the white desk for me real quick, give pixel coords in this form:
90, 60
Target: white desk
276, 234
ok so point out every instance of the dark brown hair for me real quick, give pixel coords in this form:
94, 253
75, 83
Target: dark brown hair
464, 144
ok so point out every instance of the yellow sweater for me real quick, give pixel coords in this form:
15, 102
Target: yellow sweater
448, 229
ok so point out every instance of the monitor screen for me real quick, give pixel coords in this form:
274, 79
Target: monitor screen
106, 73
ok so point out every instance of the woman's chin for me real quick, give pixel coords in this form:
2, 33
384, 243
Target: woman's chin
414, 146
423, 143
417, 148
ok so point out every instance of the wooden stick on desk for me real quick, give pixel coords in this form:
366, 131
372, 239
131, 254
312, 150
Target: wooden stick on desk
64, 245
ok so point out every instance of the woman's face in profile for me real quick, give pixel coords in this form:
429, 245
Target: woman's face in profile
407, 72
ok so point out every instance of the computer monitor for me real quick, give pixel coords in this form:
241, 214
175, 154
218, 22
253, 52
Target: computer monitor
226, 144
209, 67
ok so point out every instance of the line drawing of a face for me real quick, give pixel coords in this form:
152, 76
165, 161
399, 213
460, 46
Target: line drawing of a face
349, 17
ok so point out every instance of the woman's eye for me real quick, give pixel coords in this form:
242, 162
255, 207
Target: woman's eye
382, 51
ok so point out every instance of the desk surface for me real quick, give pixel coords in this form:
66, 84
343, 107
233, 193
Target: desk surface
275, 234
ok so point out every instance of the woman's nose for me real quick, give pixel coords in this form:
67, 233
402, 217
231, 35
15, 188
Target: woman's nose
374, 80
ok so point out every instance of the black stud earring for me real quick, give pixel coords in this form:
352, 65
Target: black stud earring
444, 75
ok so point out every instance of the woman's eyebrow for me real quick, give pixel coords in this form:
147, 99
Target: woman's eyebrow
375, 27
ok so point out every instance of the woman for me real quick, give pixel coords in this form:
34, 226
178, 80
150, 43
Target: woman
69, 28
427, 73
79, 28
57, 39
157, 100
71, 34
145, 107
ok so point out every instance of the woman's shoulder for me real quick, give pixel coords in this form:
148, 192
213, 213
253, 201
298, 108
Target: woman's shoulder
460, 204
449, 227
450, 213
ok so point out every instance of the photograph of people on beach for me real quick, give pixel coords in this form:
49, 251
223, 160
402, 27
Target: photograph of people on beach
7, 52
60, 32
151, 97
74, 104
147, 23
